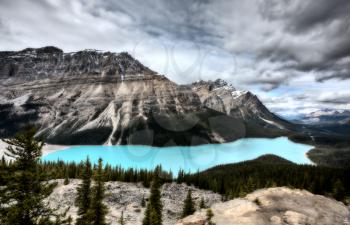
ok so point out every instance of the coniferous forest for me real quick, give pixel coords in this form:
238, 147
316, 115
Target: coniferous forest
239, 179
24, 183
231, 180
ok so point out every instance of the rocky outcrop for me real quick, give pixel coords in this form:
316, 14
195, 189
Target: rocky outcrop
275, 206
127, 197
48, 62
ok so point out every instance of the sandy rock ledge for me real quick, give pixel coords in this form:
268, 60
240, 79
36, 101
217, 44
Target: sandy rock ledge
275, 206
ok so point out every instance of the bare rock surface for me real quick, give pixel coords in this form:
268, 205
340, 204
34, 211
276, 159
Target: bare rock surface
127, 197
275, 206
93, 97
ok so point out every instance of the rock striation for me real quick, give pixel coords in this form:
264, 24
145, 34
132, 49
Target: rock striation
93, 97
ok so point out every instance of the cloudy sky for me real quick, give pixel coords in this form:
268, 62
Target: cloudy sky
294, 54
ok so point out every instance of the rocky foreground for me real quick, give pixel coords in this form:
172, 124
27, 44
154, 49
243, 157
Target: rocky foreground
273, 206
127, 197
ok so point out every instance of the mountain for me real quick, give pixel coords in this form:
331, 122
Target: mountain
93, 97
328, 121
242, 105
326, 116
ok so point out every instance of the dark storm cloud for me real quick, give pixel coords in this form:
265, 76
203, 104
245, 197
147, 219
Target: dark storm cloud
178, 19
301, 16
316, 36
275, 43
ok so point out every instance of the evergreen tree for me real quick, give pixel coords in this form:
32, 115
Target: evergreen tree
143, 202
202, 204
180, 176
97, 211
69, 220
188, 208
66, 181
338, 190
121, 219
66, 176
83, 199
21, 199
210, 215
153, 213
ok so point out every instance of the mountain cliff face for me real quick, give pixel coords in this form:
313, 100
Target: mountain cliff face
92, 97
242, 105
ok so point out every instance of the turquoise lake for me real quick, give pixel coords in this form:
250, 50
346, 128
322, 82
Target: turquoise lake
189, 158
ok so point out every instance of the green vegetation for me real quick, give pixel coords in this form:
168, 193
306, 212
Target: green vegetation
331, 156
72, 170
234, 180
153, 213
210, 215
24, 184
83, 199
121, 219
143, 202
188, 208
202, 204
91, 210
98, 210
21, 200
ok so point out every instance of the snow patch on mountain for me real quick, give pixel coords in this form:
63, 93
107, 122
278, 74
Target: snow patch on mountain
237, 94
273, 123
21, 100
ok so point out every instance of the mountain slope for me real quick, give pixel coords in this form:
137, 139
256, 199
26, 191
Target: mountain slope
91, 97
242, 105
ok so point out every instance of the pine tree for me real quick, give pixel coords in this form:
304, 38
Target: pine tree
210, 215
188, 208
83, 199
121, 219
143, 202
66, 177
66, 181
202, 204
153, 213
97, 211
69, 220
338, 190
25, 189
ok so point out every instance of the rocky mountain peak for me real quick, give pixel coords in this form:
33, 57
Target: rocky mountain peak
214, 85
111, 97
43, 50
50, 61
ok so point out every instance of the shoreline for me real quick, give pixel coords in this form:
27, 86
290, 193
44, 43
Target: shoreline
47, 148
51, 148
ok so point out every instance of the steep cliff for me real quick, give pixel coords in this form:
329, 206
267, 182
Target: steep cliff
92, 97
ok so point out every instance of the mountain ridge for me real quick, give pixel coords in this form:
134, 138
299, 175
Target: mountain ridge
94, 97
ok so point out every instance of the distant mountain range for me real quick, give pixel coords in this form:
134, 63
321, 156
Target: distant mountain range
93, 97
326, 116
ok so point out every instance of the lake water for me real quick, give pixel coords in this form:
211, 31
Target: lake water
189, 158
